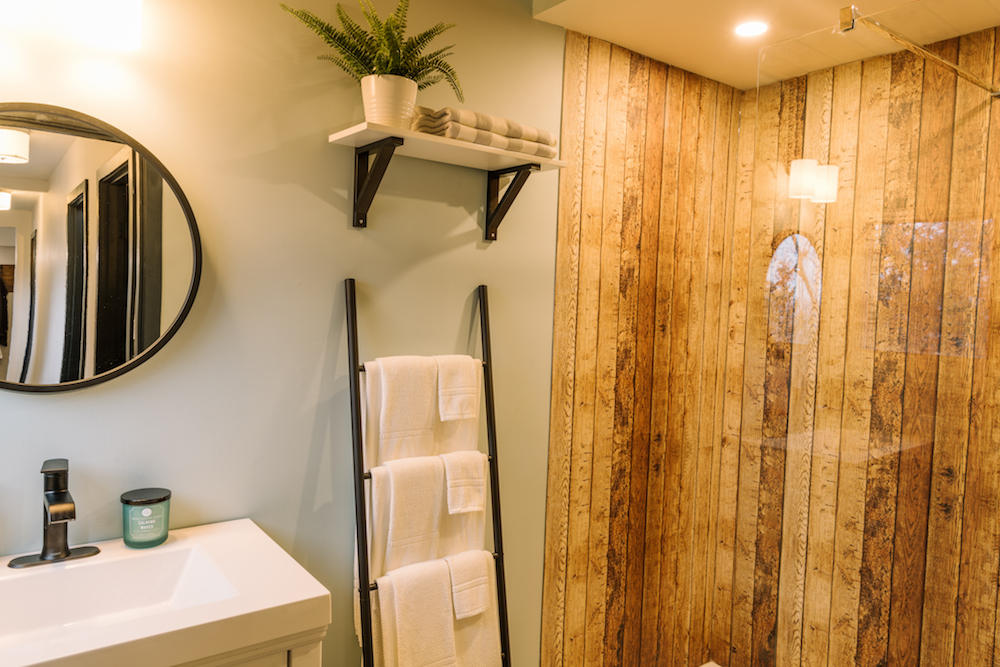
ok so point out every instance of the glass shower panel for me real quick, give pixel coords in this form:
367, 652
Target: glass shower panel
869, 504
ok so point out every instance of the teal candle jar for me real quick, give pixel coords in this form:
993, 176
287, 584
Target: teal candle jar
145, 517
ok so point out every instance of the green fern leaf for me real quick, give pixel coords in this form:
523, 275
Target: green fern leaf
384, 47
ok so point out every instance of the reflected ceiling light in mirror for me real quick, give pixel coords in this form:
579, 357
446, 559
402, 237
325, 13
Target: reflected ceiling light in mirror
13, 146
751, 29
4, 201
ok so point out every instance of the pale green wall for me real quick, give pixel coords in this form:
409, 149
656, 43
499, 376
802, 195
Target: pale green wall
245, 412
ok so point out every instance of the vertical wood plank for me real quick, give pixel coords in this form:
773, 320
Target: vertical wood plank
858, 371
991, 398
661, 498
585, 372
684, 424
622, 479
607, 339
719, 278
777, 371
755, 351
740, 215
777, 375
991, 418
977, 590
958, 332
701, 373
975, 641
564, 349
890, 359
831, 360
644, 463
802, 387
923, 341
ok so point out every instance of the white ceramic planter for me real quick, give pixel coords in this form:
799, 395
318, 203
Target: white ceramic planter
389, 99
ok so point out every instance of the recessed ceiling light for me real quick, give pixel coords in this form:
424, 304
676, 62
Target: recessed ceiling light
751, 29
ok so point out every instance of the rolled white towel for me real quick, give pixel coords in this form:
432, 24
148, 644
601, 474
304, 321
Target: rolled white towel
481, 121
486, 138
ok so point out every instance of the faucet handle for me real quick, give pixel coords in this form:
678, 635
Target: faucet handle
55, 466
56, 473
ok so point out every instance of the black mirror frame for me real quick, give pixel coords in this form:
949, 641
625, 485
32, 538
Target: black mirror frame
7, 107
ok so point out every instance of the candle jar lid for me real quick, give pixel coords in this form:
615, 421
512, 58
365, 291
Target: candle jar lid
145, 496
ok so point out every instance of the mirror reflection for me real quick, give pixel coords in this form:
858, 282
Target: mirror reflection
99, 255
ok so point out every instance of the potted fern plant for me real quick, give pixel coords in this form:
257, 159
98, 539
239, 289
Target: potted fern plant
390, 67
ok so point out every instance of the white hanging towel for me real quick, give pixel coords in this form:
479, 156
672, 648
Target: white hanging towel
401, 416
407, 407
385, 653
424, 622
409, 521
465, 475
477, 638
419, 527
416, 495
470, 589
459, 380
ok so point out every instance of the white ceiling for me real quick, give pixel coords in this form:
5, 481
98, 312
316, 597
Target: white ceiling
27, 181
698, 36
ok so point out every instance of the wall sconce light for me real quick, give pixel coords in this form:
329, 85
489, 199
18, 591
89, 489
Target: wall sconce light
802, 179
4, 201
827, 177
13, 146
807, 179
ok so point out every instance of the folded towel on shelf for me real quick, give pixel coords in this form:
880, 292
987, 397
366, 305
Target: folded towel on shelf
459, 380
423, 618
407, 406
486, 138
465, 476
506, 128
470, 588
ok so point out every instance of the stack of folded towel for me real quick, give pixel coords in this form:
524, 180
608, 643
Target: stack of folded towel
436, 603
480, 128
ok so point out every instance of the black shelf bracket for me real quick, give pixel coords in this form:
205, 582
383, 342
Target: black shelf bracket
367, 179
497, 207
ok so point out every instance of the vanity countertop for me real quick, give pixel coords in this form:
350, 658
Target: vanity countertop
218, 589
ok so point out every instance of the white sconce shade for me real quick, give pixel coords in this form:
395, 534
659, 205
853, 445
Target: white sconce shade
827, 177
13, 146
4, 201
802, 179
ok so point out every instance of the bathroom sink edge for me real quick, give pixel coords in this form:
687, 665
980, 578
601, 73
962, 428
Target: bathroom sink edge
264, 608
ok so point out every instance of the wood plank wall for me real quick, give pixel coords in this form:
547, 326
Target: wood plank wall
641, 310
775, 424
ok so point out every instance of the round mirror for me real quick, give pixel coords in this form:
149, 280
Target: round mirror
99, 251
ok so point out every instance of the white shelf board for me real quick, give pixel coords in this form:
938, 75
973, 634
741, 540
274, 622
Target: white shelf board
440, 149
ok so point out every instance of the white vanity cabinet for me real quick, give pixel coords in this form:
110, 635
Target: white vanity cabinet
210, 596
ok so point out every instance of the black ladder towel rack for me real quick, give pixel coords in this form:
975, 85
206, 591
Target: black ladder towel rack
366, 586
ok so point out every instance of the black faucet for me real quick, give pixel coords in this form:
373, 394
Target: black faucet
58, 509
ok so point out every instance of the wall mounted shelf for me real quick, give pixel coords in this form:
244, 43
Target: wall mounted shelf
383, 142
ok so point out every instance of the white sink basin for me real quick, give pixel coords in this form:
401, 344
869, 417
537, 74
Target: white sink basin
208, 590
